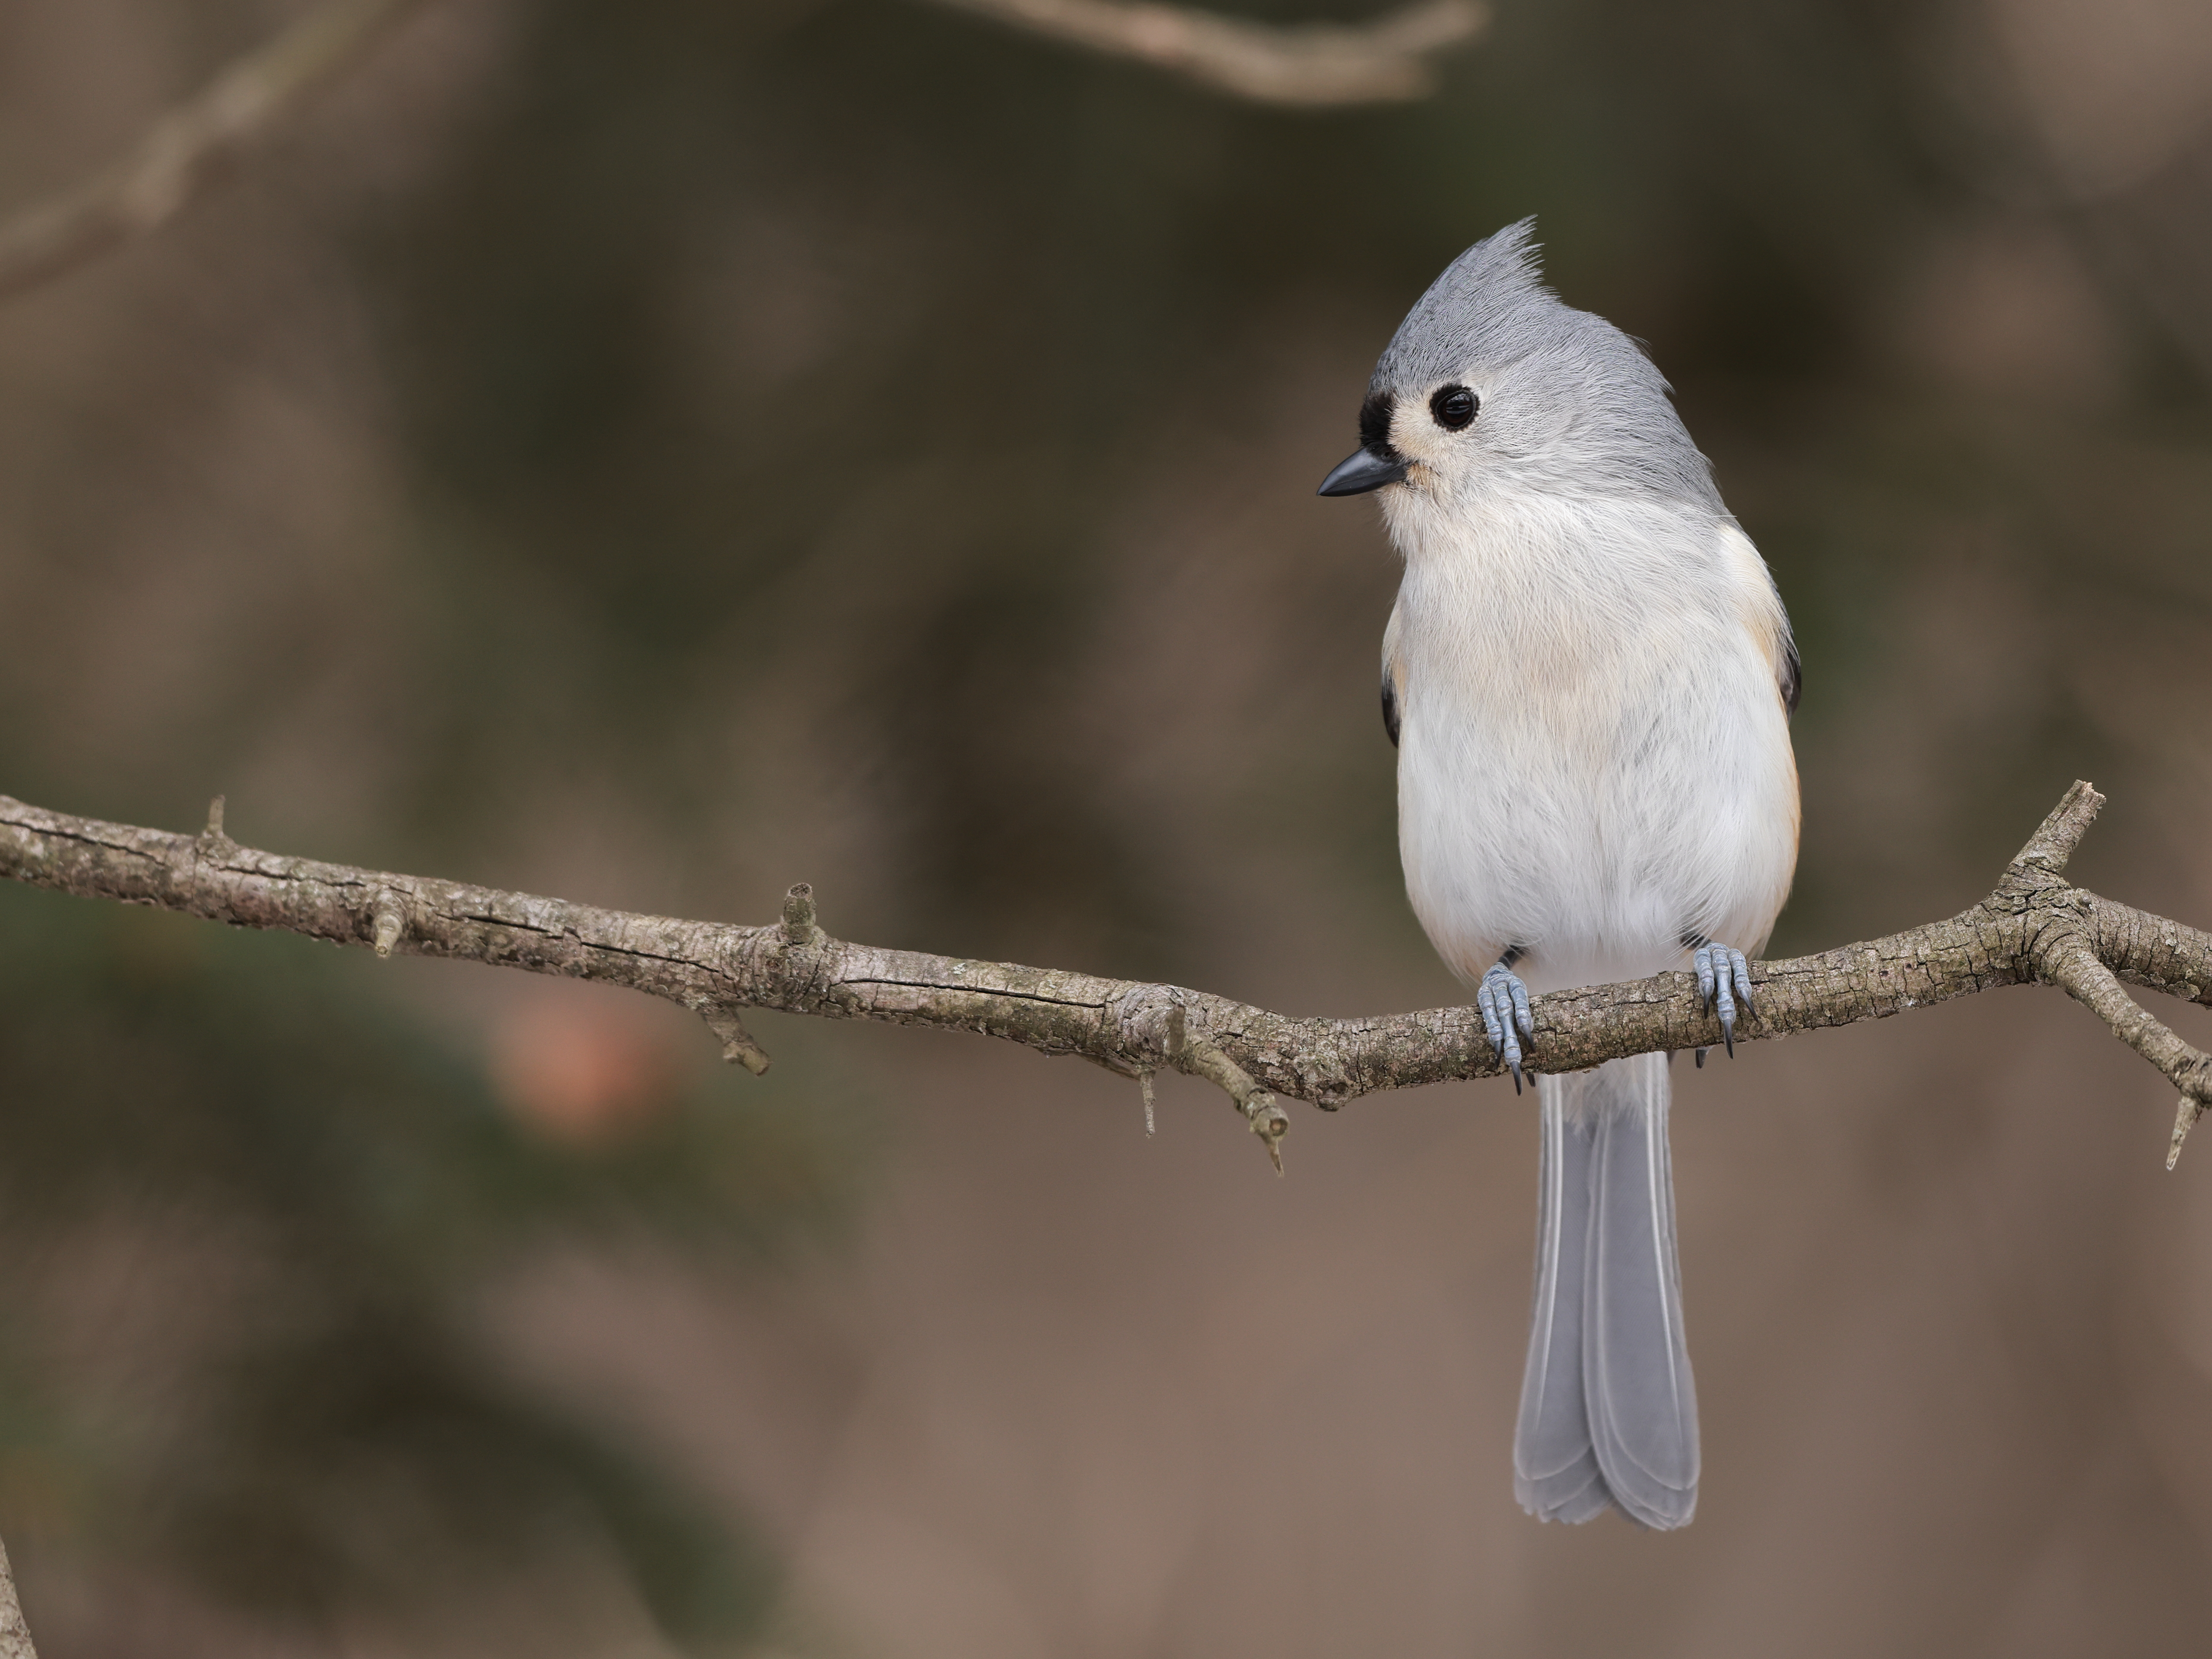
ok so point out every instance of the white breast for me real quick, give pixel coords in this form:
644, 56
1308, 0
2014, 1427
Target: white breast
1593, 756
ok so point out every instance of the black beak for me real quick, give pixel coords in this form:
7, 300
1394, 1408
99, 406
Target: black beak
1363, 470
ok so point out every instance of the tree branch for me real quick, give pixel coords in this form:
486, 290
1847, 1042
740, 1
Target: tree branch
1311, 64
2035, 926
186, 149
14, 1634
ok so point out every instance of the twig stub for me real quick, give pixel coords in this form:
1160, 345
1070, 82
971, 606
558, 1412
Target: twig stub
388, 921
2185, 1114
738, 1048
799, 927
2061, 832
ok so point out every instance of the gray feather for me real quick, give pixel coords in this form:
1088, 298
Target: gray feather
1555, 1470
1557, 384
1585, 657
1635, 1364
1608, 1409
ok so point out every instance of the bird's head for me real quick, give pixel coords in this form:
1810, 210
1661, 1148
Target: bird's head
1492, 385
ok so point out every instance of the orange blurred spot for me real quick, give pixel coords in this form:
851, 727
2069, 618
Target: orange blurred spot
580, 1077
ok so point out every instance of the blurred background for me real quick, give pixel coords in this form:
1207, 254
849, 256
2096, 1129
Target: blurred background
652, 454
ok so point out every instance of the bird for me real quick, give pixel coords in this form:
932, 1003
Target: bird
1589, 676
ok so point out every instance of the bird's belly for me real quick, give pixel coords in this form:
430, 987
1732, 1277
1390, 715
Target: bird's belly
1594, 832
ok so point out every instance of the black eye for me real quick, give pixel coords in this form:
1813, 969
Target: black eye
1453, 406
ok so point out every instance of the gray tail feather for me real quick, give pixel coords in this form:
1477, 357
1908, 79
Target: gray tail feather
1608, 1411
1555, 1467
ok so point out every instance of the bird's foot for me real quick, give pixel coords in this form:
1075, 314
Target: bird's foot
1724, 981
1504, 1002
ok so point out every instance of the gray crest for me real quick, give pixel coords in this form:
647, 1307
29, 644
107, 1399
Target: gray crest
1551, 378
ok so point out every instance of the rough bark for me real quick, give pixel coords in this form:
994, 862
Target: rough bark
2033, 927
14, 1634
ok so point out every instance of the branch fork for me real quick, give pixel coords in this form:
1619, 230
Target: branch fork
2063, 950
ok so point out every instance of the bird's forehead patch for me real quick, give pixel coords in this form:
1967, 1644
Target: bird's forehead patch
1375, 421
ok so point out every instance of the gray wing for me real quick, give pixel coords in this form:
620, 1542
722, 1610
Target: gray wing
1393, 679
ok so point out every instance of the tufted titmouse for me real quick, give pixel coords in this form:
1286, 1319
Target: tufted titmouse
1589, 676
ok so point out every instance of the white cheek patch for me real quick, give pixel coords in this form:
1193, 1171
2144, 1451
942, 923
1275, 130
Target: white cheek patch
1415, 434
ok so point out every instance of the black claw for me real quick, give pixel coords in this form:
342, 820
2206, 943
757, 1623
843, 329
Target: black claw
1701, 1060
1514, 1066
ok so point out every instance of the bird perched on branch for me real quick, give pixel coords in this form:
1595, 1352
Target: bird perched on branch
1589, 676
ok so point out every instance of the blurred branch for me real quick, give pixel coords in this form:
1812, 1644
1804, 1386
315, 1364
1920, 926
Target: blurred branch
1313, 64
2034, 926
186, 148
